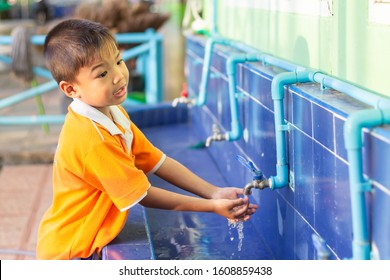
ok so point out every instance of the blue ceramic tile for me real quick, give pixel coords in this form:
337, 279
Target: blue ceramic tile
339, 137
256, 85
381, 225
377, 159
261, 144
244, 78
219, 63
286, 230
303, 175
265, 219
332, 201
196, 46
302, 116
323, 126
304, 249
195, 72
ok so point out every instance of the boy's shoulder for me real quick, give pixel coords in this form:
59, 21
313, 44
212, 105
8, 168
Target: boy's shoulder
82, 129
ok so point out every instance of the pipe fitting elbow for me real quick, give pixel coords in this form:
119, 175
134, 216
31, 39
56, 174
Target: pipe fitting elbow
355, 123
232, 61
235, 133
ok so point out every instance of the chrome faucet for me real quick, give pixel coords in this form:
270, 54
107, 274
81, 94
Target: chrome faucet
217, 135
183, 99
258, 182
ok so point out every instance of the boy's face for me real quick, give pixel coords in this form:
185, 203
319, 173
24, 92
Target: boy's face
102, 84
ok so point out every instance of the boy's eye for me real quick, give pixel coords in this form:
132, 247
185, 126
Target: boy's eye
119, 61
102, 75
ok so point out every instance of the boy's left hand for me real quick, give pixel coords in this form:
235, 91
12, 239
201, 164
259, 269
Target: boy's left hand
233, 193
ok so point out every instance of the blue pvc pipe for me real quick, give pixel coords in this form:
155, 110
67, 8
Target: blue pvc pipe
151, 75
231, 66
122, 38
211, 41
132, 38
353, 139
35, 40
136, 51
277, 90
352, 132
373, 99
32, 92
274, 61
32, 120
39, 71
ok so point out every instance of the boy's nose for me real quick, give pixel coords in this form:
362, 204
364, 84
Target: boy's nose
119, 76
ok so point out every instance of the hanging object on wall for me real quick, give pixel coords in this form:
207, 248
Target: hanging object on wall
192, 20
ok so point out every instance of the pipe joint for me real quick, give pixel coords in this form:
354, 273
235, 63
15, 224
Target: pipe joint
236, 131
281, 179
355, 123
232, 61
363, 186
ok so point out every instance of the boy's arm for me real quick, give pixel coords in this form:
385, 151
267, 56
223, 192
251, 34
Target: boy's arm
163, 199
180, 176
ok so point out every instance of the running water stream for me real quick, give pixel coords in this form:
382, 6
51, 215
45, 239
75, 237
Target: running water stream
239, 225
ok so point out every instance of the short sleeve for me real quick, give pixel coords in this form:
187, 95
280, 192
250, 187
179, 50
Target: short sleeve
112, 170
147, 157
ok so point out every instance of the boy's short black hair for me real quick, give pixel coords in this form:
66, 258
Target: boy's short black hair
73, 44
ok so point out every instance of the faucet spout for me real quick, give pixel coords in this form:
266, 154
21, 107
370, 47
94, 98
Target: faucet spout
217, 136
183, 99
256, 184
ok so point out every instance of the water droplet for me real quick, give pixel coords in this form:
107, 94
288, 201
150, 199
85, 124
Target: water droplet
240, 230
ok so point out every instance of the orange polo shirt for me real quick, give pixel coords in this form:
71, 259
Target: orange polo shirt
100, 170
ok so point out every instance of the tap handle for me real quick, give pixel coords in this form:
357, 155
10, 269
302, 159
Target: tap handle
257, 174
184, 91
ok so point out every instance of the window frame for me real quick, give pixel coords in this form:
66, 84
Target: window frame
379, 11
322, 8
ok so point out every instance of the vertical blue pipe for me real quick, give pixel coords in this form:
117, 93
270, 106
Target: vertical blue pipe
236, 130
205, 72
159, 69
277, 90
231, 66
202, 97
358, 185
151, 73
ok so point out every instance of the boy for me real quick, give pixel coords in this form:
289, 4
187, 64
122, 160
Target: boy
102, 160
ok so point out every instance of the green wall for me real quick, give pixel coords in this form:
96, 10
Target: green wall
345, 45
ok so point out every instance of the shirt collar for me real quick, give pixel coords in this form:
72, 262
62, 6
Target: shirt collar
95, 115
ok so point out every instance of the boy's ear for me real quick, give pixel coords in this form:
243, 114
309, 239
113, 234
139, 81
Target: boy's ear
68, 89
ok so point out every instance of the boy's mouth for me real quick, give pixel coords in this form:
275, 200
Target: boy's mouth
120, 91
